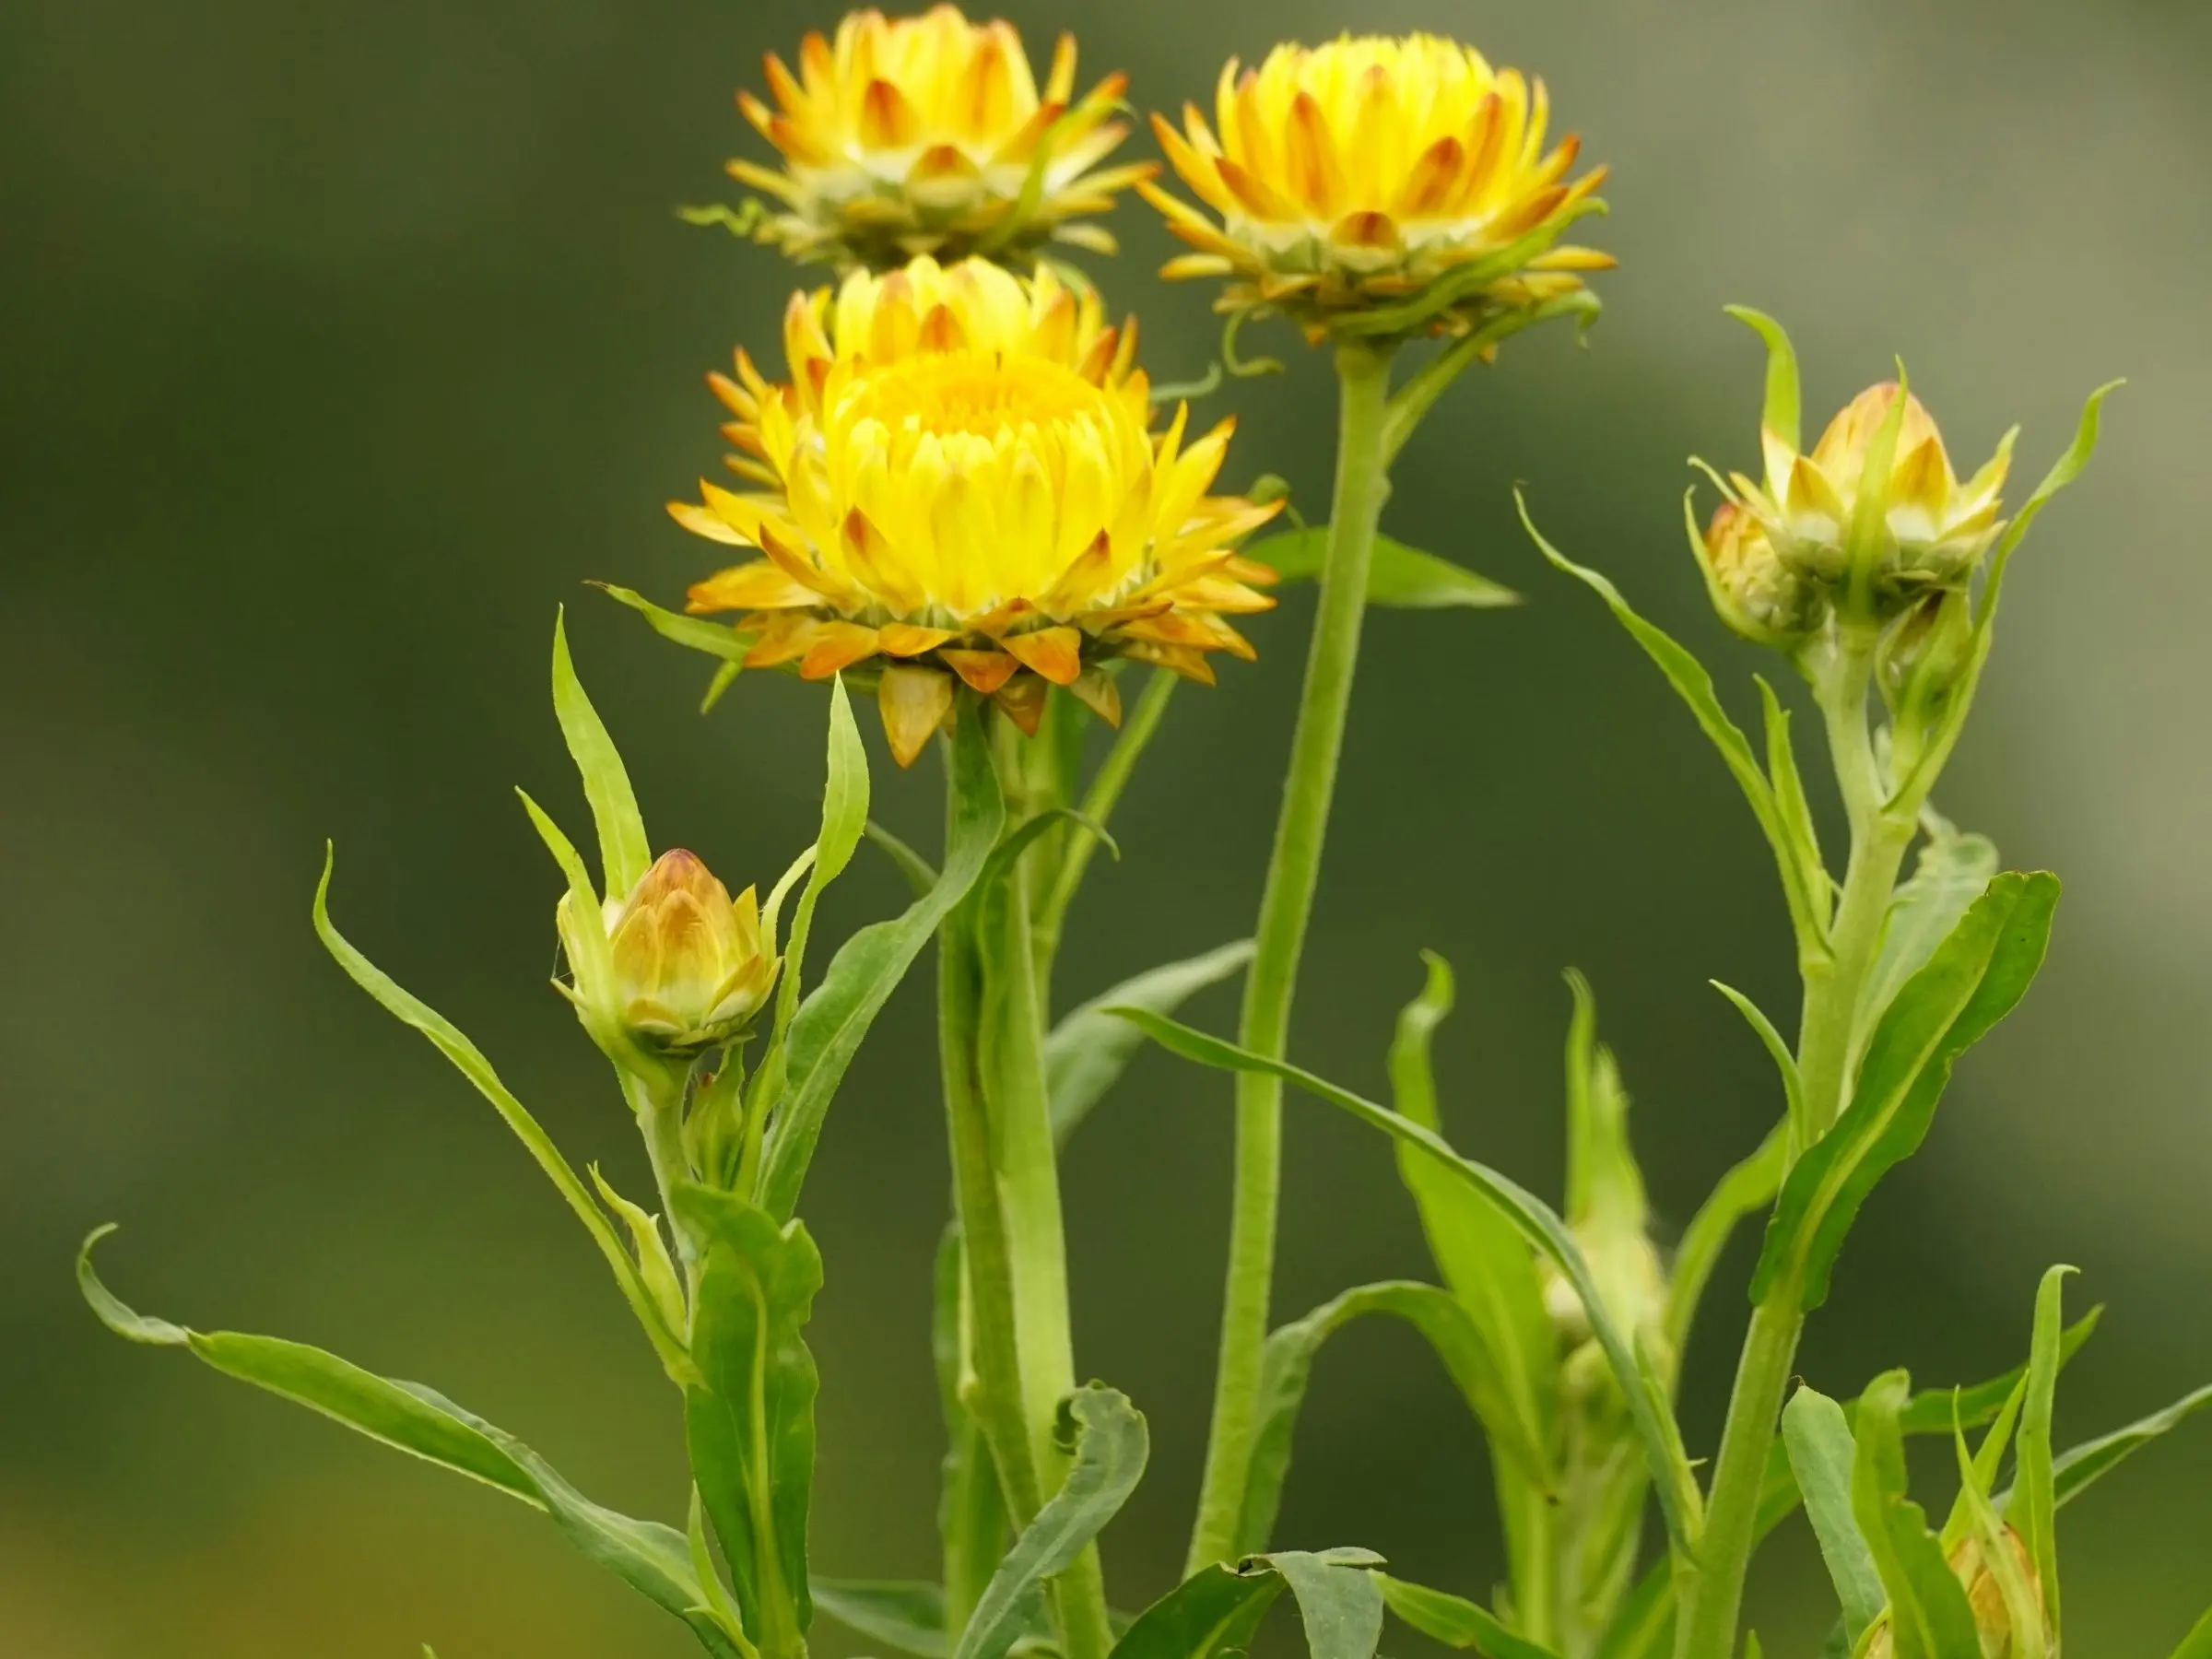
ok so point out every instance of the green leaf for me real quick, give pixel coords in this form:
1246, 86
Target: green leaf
830, 1024
1779, 417
1287, 1367
1536, 1222
1214, 1611
1089, 1049
750, 1425
1950, 873
409, 1418
2197, 1644
1644, 1627
1398, 576
1110, 1447
900, 1614
624, 853
469, 1061
1817, 1440
2032, 1508
1929, 1615
1480, 1252
845, 821
1791, 807
1455, 1622
1749, 1186
2081, 1467
919, 873
1803, 890
2023, 1613
715, 639
1973, 981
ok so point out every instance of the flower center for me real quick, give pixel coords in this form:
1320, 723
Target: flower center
977, 394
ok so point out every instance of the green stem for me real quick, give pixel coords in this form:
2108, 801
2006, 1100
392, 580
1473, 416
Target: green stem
1098, 802
1827, 1039
1363, 371
660, 1112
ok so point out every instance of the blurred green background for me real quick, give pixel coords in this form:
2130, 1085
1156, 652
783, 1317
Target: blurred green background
343, 342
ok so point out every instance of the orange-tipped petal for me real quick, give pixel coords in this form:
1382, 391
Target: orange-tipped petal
984, 671
1023, 699
1054, 653
836, 647
914, 703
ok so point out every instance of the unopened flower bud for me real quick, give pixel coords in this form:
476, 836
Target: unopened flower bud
685, 964
1757, 595
1929, 530
1923, 655
1993, 1621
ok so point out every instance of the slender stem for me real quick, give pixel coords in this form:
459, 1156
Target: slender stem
1827, 1041
660, 1121
1098, 802
1363, 371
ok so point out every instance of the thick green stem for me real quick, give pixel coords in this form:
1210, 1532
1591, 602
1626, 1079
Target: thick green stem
1286, 904
1827, 1038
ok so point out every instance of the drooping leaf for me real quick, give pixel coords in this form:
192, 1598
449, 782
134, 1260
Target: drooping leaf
750, 1423
1213, 1613
2032, 1508
1455, 1622
1537, 1222
836, 1016
1110, 1448
1401, 577
1817, 1440
1288, 1368
1807, 901
1089, 1049
1481, 1251
624, 853
469, 1061
1929, 1615
409, 1418
1952, 871
1972, 981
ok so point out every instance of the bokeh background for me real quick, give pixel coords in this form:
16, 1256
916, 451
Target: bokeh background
343, 342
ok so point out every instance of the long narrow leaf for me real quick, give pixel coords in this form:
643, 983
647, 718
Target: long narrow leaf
1455, 1622
624, 853
1089, 1049
1929, 1615
1972, 981
1537, 1221
867, 969
1952, 871
2032, 1510
651, 1558
1817, 1440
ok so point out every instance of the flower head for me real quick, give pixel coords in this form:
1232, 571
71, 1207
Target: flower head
961, 483
1993, 1621
687, 965
928, 135
1372, 173
1756, 594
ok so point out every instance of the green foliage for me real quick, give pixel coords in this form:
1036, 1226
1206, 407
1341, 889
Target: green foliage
1929, 1615
1817, 1440
2032, 1508
1952, 870
1111, 1446
750, 1423
651, 1558
1455, 1622
1213, 1613
1089, 1049
1398, 577
1971, 981
624, 854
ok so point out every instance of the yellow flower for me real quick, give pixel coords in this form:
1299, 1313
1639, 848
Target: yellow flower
960, 481
1373, 172
928, 135
1930, 530
687, 965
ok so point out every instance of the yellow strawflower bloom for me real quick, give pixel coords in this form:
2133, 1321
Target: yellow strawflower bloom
1373, 172
1756, 594
1930, 530
961, 483
685, 964
928, 135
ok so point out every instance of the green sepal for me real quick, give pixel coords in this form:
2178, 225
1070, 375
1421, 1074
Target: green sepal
827, 1030
624, 853
1212, 1613
1780, 415
749, 1424
1970, 982
2032, 1508
650, 1558
1089, 1049
1537, 1222
1398, 577
1816, 1437
1110, 1449
1455, 1622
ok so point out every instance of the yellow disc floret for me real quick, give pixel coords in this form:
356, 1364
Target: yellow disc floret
1372, 173
929, 134
962, 482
